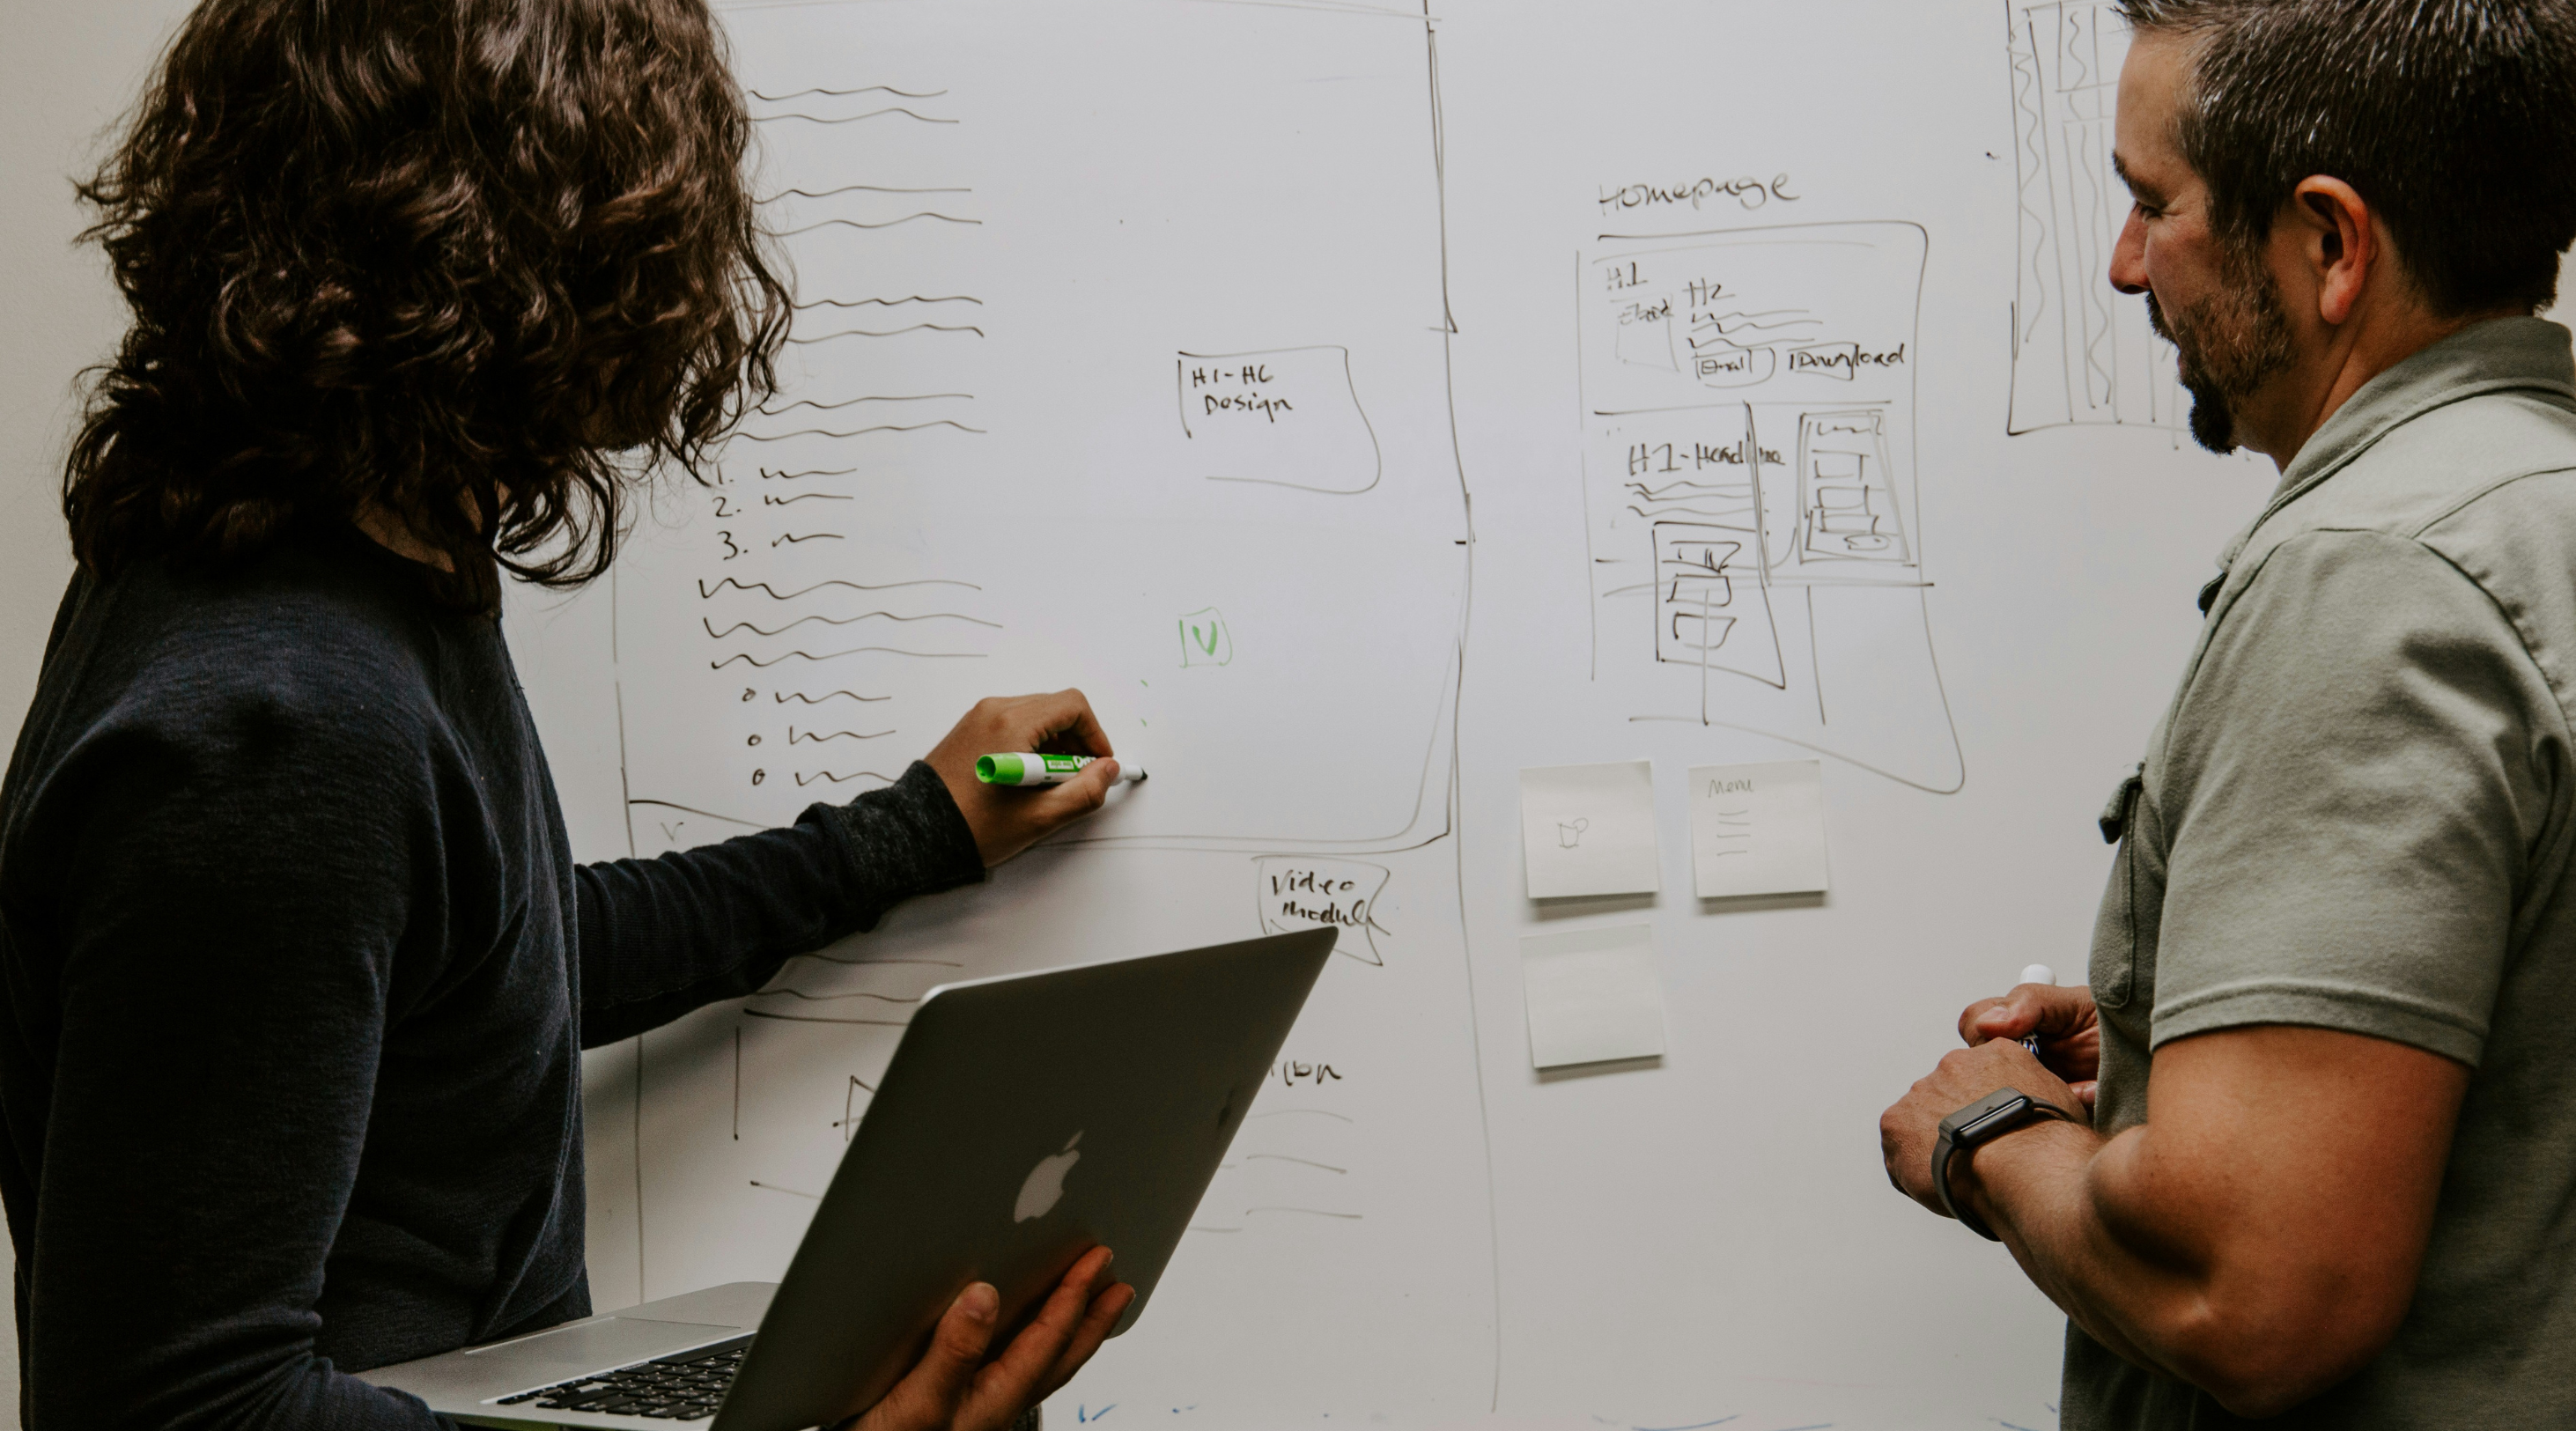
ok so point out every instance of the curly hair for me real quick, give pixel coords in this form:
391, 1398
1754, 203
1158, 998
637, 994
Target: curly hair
472, 266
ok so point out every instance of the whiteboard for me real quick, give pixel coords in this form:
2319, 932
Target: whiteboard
1363, 405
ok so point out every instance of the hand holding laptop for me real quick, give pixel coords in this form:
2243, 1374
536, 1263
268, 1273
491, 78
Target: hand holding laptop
1027, 1124
953, 1388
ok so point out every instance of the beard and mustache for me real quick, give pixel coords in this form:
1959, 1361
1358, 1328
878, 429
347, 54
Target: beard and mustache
2228, 344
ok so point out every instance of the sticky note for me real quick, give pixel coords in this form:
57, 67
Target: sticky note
1758, 829
1593, 996
1590, 830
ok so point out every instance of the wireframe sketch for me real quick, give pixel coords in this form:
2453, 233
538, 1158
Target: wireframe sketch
1756, 558
2082, 352
1288, 418
1051, 419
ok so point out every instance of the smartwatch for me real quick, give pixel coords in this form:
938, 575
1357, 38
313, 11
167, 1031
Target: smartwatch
1979, 1123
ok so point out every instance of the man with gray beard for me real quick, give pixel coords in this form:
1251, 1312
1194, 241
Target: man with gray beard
2306, 1148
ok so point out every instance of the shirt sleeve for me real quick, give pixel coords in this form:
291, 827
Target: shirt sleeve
660, 937
2359, 771
234, 902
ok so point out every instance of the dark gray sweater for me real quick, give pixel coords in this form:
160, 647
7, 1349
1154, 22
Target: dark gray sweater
295, 970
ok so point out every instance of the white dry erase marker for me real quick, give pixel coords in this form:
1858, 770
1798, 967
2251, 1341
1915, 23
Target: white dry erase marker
1044, 769
2037, 974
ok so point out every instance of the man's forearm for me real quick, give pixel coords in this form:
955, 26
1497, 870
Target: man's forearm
2037, 1189
2259, 1239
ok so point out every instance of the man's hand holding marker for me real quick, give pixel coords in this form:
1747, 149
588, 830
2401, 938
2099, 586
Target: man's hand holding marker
1009, 816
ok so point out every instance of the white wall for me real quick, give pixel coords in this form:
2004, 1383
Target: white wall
65, 74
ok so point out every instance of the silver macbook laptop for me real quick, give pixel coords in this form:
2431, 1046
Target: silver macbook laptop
1023, 1121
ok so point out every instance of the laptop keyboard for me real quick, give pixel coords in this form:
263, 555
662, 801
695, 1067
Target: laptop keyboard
682, 1387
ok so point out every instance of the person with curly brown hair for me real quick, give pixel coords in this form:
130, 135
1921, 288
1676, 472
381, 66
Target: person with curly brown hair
295, 964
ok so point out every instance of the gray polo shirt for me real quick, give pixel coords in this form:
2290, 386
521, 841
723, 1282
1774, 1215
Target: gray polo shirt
2356, 815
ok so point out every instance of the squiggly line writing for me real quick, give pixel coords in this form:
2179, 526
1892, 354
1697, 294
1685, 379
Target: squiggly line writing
759, 664
846, 93
767, 475
885, 302
861, 432
704, 590
838, 621
888, 224
889, 333
854, 402
853, 118
818, 194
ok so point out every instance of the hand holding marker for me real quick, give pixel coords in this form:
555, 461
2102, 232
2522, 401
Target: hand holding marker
1044, 769
2037, 974
1007, 819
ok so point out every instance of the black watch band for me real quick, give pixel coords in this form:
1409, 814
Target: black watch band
1979, 1123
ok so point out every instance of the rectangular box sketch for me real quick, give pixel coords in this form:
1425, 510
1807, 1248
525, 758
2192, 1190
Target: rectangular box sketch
2082, 352
1712, 608
1748, 462
1846, 491
1290, 418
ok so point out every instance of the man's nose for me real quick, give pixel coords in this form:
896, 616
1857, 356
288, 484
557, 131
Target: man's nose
2129, 255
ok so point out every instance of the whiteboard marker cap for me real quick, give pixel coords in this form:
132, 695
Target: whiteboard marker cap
2039, 974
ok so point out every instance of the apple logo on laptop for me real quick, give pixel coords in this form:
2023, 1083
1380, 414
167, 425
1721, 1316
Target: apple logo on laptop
1045, 1185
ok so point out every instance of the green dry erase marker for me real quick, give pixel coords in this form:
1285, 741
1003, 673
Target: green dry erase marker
1043, 769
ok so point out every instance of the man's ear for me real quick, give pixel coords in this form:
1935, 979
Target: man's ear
2338, 244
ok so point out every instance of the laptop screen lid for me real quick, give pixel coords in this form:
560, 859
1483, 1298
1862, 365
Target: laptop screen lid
1024, 1120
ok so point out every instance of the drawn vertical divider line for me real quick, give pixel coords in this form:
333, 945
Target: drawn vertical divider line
1457, 701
